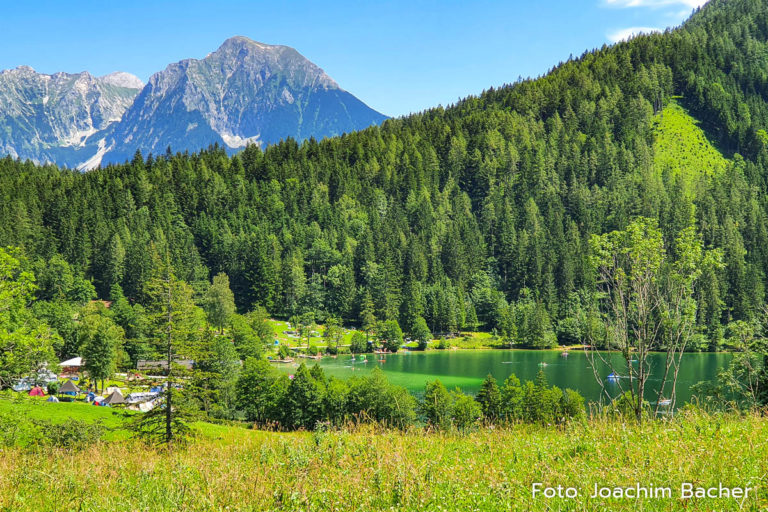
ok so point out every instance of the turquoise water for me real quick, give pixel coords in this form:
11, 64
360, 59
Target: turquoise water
466, 369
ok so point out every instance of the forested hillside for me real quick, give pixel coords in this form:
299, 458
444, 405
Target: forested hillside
474, 215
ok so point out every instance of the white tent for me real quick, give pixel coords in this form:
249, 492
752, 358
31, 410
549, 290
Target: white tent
75, 361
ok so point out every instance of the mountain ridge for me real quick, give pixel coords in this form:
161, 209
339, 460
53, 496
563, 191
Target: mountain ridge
244, 92
41, 115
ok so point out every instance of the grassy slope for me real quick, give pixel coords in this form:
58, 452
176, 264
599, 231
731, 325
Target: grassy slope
682, 147
238, 469
112, 418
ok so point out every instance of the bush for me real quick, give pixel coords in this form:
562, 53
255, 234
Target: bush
571, 405
374, 398
624, 405
74, 434
436, 405
283, 351
465, 411
14, 430
536, 402
358, 344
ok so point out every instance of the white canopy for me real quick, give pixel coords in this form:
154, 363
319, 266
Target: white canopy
75, 361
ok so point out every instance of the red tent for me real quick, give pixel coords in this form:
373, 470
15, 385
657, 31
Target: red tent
36, 391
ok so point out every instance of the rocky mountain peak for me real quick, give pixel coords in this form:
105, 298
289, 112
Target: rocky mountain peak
122, 79
243, 92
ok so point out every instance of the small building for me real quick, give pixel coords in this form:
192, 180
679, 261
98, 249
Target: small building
71, 366
144, 365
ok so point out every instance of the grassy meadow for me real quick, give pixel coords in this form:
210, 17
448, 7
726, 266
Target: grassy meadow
467, 340
235, 468
681, 147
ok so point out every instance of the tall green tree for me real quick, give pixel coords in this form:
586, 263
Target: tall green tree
219, 302
26, 345
421, 333
101, 340
175, 319
489, 398
391, 335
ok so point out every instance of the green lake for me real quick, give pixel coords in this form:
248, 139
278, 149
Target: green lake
466, 369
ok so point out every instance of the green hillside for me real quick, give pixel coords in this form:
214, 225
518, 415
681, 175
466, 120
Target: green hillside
681, 147
472, 217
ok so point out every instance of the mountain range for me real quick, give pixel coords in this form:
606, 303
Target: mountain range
243, 93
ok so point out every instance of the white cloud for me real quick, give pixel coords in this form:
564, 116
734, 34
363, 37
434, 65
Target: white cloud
692, 4
628, 33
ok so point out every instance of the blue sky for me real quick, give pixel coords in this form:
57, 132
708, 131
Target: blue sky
397, 56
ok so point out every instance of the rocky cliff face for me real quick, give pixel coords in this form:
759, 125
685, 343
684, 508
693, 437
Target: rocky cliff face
244, 92
52, 118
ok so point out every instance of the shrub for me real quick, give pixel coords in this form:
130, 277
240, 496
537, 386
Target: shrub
283, 351
358, 344
53, 387
74, 434
436, 405
465, 411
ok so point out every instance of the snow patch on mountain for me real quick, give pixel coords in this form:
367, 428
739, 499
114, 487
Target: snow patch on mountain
235, 141
122, 79
95, 160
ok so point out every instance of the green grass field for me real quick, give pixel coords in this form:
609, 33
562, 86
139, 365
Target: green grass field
468, 340
682, 147
231, 468
115, 420
279, 327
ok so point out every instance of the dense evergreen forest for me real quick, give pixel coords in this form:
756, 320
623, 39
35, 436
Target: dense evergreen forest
474, 216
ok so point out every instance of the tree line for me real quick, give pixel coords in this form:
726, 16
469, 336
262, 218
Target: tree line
479, 215
474, 216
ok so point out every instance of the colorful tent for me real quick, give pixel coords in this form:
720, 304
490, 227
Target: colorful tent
37, 391
52, 399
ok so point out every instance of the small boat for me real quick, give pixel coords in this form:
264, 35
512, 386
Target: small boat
542, 363
613, 376
665, 402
